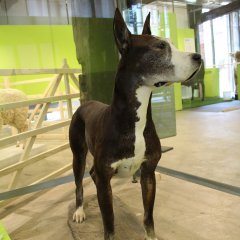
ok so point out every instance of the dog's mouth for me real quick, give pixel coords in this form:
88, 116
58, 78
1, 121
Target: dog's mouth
159, 84
191, 76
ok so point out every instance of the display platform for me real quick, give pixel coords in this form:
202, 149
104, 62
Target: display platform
127, 226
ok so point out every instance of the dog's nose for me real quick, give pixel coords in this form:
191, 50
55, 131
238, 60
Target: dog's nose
196, 57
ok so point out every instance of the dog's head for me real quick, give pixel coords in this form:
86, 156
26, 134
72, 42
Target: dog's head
155, 60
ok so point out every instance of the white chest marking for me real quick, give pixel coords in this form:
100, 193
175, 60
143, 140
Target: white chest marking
128, 166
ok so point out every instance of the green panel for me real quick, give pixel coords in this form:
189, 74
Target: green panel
238, 81
168, 25
211, 82
162, 26
36, 47
173, 28
178, 96
174, 38
98, 56
182, 34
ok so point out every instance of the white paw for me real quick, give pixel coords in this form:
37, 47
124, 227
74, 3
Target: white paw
79, 215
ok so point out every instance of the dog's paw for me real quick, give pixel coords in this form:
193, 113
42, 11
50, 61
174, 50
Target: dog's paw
79, 215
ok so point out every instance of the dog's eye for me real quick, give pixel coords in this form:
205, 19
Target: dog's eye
161, 45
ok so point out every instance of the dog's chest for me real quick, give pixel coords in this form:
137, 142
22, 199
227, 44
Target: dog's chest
128, 166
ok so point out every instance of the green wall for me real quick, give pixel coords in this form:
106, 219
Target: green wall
38, 46
172, 21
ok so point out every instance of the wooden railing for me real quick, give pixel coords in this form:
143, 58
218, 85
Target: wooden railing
37, 116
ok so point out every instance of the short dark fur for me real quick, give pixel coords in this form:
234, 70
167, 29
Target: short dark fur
108, 131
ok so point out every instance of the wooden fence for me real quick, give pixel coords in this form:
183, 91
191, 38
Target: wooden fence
37, 116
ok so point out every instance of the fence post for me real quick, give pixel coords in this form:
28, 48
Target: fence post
67, 89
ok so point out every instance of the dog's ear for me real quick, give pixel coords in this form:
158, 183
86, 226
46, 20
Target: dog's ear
121, 32
146, 27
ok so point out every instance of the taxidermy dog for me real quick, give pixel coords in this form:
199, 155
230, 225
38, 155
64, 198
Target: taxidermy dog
121, 136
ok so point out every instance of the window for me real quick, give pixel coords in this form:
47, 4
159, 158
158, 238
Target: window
32, 12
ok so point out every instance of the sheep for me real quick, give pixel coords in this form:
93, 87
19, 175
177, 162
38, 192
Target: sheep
14, 117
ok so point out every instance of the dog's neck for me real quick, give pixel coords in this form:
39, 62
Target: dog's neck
130, 101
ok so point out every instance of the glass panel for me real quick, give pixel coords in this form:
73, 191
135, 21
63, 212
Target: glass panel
163, 111
222, 46
235, 31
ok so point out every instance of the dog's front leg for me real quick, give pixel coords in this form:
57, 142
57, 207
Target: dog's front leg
148, 184
104, 193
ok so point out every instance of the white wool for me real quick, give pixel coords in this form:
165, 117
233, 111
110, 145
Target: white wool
13, 117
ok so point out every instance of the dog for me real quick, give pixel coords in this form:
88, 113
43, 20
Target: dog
121, 136
236, 57
197, 82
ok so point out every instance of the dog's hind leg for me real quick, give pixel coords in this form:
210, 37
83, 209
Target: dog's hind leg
79, 149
